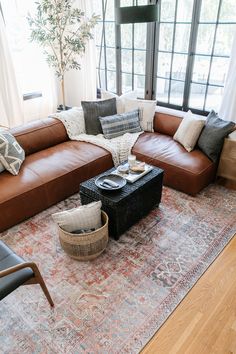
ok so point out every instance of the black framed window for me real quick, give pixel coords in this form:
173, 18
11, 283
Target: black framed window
106, 44
133, 49
216, 28
181, 60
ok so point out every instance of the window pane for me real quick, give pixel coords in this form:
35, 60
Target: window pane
111, 58
197, 96
214, 98
98, 6
110, 34
139, 62
209, 10
126, 60
111, 81
166, 36
205, 39
168, 10
201, 69
140, 35
139, 85
218, 71
176, 92
98, 33
224, 39
142, 2
162, 88
126, 36
109, 10
182, 38
125, 3
164, 61
126, 83
179, 66
185, 8
101, 79
228, 11
100, 57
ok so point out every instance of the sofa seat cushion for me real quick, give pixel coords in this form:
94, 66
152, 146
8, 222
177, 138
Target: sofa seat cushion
185, 171
47, 177
57, 161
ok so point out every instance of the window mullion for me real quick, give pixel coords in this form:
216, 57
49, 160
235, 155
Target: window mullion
172, 52
133, 53
104, 7
151, 57
191, 52
212, 54
118, 53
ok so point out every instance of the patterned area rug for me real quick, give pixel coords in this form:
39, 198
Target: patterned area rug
115, 303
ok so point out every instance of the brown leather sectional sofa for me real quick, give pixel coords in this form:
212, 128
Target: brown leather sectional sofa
55, 166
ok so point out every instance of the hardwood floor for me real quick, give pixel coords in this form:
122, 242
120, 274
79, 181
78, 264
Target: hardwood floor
205, 321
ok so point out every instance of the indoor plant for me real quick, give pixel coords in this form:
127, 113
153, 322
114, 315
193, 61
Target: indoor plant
63, 31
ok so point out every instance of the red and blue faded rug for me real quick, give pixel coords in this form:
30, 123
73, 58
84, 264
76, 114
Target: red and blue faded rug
115, 303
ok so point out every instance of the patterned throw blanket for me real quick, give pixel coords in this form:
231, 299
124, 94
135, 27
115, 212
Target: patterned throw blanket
119, 147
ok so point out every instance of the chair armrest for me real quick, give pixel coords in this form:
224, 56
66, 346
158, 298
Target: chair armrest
17, 267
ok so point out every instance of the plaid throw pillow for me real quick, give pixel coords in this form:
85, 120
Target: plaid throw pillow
119, 124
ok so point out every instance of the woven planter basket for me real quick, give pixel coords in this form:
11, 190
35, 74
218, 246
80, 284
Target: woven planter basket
88, 246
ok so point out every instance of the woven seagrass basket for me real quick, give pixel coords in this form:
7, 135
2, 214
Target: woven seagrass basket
85, 247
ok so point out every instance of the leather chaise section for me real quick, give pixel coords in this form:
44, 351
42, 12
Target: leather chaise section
184, 171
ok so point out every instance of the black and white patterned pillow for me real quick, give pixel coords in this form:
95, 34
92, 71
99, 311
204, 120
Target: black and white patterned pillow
2, 168
11, 153
119, 124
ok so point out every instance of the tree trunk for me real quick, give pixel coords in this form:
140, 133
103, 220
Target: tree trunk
63, 92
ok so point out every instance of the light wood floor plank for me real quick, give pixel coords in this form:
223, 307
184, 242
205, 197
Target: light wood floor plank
205, 321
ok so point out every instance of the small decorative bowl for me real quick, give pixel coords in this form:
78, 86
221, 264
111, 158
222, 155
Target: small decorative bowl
123, 169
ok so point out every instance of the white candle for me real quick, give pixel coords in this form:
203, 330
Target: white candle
131, 160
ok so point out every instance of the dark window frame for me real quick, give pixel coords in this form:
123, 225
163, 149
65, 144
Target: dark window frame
152, 51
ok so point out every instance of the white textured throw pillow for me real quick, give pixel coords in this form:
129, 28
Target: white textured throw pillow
84, 217
120, 100
74, 119
189, 130
147, 111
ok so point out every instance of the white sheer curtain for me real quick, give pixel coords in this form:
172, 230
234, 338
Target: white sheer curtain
227, 109
81, 84
32, 71
11, 113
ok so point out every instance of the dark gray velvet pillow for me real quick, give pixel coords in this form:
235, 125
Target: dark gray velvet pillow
93, 110
212, 137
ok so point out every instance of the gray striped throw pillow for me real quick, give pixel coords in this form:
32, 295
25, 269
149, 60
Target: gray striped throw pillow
119, 124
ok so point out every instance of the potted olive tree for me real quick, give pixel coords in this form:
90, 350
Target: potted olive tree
63, 31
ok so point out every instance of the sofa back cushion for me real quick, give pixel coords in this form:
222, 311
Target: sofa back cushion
40, 134
166, 124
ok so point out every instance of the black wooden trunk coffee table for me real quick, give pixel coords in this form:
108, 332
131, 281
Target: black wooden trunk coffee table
126, 206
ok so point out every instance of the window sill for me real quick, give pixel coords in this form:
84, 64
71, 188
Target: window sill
32, 95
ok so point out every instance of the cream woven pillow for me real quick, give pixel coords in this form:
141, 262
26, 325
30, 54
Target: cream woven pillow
120, 100
147, 111
84, 217
189, 130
